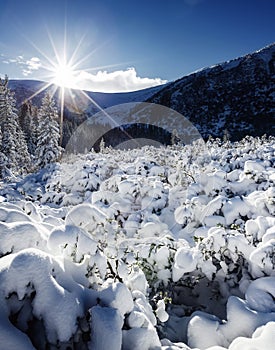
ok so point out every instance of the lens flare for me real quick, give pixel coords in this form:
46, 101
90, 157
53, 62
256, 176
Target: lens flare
62, 68
65, 76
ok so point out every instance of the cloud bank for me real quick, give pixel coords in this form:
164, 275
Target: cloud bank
27, 66
117, 81
31, 65
102, 81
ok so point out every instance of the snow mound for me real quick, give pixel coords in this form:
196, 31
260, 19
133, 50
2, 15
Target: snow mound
157, 248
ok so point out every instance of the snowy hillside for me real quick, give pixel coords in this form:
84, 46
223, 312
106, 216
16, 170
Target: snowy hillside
157, 248
237, 95
78, 105
24, 89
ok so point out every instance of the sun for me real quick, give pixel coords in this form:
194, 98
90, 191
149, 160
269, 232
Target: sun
64, 75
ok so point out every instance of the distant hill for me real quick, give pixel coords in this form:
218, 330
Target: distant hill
24, 89
236, 97
78, 105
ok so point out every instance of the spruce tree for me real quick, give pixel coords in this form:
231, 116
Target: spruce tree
14, 146
3, 160
32, 142
3, 87
48, 149
29, 124
25, 119
23, 156
9, 143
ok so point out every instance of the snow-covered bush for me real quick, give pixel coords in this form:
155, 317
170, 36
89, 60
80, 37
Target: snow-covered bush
144, 249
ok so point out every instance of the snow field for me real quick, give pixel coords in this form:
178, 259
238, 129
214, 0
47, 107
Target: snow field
169, 248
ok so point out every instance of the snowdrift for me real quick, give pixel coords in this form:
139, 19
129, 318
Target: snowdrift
157, 248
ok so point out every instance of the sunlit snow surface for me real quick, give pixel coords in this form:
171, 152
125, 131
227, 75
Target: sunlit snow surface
168, 248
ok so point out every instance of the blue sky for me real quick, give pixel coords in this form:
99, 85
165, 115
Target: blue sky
128, 44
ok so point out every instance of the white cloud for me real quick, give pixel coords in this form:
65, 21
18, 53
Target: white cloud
118, 81
34, 63
26, 72
30, 65
27, 65
16, 60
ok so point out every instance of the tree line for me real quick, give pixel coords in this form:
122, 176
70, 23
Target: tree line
29, 138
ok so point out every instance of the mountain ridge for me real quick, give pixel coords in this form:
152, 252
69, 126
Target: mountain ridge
236, 97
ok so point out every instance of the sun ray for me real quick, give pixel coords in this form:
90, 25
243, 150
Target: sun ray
65, 40
62, 72
43, 88
108, 66
61, 115
90, 54
52, 63
73, 99
76, 49
116, 124
57, 56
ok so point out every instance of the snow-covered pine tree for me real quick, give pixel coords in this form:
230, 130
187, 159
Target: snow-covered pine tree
3, 87
23, 116
23, 155
25, 119
14, 145
102, 147
48, 136
9, 143
34, 131
3, 160
29, 123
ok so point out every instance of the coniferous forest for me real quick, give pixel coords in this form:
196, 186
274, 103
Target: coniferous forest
29, 136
